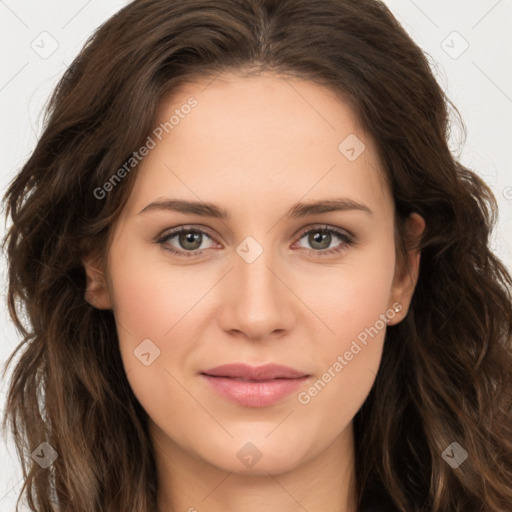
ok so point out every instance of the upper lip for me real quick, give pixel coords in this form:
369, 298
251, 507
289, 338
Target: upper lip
258, 373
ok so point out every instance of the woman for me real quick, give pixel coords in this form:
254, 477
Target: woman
368, 370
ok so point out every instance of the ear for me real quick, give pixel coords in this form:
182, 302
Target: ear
406, 276
97, 293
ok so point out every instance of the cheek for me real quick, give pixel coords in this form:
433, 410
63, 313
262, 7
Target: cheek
355, 307
155, 303
151, 294
152, 301
353, 296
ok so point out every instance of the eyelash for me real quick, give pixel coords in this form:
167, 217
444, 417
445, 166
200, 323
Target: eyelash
347, 239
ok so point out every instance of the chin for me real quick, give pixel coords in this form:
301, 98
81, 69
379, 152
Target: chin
258, 456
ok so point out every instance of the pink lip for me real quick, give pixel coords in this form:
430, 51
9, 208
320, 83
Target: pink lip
250, 386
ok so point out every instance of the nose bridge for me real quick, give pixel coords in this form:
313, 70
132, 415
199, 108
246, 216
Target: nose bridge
253, 269
257, 302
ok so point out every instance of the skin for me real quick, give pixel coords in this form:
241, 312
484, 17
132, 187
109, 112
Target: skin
254, 146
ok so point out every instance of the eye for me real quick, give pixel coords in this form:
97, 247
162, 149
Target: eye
320, 239
190, 241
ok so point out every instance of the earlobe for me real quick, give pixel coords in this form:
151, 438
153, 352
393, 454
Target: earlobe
407, 278
96, 293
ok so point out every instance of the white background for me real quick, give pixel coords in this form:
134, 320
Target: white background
478, 80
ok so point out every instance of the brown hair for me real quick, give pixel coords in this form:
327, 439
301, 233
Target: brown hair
445, 370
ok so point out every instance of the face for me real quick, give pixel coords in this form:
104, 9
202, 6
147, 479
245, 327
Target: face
273, 281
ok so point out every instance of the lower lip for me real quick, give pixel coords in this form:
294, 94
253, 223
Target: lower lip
252, 393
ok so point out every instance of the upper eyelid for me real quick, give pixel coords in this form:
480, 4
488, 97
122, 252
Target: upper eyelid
171, 232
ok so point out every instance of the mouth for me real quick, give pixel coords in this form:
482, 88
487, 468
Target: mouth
249, 386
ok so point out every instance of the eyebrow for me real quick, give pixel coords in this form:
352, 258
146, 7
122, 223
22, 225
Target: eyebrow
298, 210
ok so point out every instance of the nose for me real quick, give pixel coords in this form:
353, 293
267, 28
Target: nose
257, 301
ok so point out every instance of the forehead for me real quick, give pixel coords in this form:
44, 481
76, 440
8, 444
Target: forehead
256, 140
